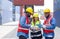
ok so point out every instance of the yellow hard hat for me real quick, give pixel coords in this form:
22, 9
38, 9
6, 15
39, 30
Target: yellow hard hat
35, 15
30, 10
47, 10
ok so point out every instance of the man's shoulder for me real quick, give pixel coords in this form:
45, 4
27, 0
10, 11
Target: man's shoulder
53, 18
23, 16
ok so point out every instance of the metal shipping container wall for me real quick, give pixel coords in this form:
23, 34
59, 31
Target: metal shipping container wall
6, 11
57, 11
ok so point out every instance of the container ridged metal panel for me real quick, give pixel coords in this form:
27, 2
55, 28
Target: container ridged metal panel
28, 2
57, 11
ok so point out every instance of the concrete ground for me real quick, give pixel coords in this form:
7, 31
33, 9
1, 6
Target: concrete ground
9, 31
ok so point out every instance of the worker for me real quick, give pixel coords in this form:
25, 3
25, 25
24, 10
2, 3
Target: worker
24, 24
36, 27
49, 25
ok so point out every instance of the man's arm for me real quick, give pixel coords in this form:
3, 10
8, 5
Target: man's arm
23, 22
53, 24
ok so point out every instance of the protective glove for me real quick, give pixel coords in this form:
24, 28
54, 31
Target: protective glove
32, 27
36, 28
44, 27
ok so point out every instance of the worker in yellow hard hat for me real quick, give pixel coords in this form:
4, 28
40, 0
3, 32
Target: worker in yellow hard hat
36, 15
48, 25
29, 10
36, 27
24, 24
47, 12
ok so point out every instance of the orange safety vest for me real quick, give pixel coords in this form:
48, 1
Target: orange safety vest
47, 22
21, 29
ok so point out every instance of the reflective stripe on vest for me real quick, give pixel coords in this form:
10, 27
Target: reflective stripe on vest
48, 22
36, 35
23, 28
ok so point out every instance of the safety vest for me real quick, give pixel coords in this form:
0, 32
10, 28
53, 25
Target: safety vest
24, 30
37, 22
47, 21
35, 25
38, 32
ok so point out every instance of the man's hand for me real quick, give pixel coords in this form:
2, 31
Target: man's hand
36, 28
44, 27
47, 24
